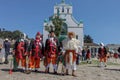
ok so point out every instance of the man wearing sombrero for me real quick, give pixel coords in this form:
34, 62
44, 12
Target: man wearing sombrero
70, 46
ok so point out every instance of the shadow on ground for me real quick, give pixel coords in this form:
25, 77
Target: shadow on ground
51, 73
113, 69
94, 66
41, 72
6, 70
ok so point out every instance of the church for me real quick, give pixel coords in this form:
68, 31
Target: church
65, 12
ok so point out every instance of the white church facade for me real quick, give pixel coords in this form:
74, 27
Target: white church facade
65, 12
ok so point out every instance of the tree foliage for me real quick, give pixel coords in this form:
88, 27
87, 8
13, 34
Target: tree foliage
88, 39
10, 34
61, 38
16, 34
57, 22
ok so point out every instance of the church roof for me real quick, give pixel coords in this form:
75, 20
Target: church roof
71, 21
74, 20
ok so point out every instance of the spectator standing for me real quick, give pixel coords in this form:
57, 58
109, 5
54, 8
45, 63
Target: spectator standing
7, 50
83, 54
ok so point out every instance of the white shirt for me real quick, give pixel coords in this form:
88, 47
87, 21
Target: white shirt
71, 44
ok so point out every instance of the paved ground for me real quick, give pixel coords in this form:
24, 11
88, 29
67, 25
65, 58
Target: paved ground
84, 72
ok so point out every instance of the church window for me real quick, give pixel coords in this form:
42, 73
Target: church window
76, 36
91, 50
58, 11
68, 10
62, 9
64, 29
95, 50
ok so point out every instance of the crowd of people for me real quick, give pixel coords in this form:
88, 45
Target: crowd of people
29, 53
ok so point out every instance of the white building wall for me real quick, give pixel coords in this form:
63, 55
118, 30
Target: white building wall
70, 22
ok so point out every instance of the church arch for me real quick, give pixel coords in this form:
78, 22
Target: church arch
64, 29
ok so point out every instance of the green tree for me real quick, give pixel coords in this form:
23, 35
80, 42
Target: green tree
57, 22
16, 34
61, 38
88, 39
9, 34
5, 34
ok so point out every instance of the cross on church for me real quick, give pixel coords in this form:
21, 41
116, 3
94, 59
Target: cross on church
63, 1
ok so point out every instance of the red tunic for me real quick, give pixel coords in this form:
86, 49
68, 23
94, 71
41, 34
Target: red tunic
102, 52
88, 55
37, 49
52, 48
20, 50
115, 55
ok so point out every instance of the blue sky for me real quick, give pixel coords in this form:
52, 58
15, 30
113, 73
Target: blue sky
101, 17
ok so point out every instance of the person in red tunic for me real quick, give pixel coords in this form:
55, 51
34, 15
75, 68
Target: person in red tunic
102, 54
20, 52
51, 52
116, 57
36, 53
88, 56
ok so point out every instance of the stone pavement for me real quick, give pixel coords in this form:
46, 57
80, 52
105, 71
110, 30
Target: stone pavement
84, 72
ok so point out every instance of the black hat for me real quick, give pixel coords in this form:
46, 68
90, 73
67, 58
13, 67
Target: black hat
51, 31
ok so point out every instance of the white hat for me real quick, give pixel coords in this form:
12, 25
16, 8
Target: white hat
101, 44
22, 40
6, 39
